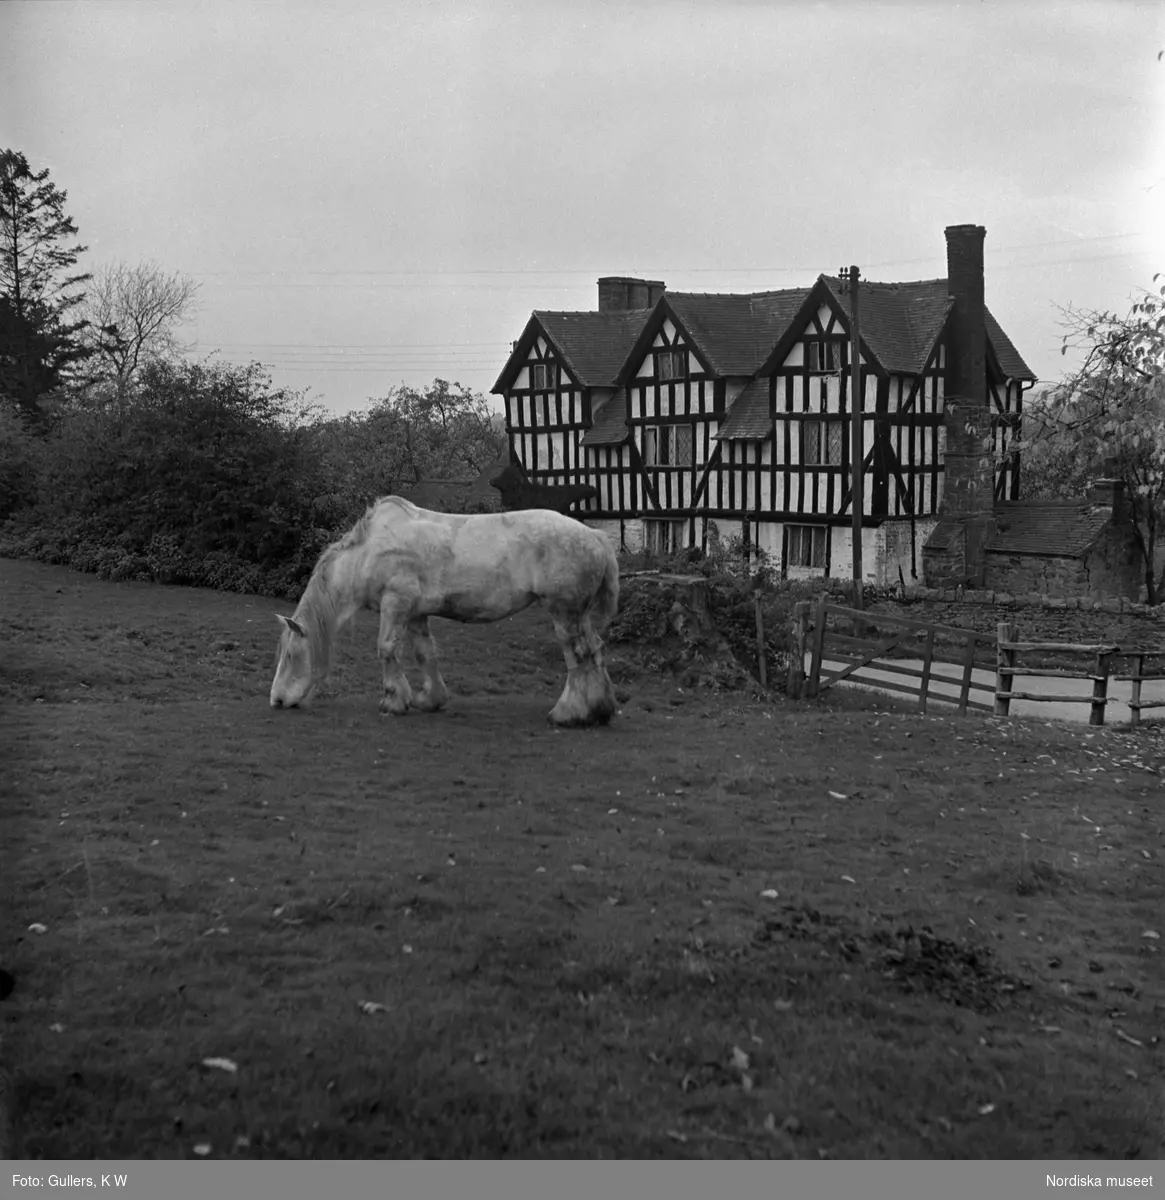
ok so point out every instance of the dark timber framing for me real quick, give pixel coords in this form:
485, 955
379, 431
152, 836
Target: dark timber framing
702, 363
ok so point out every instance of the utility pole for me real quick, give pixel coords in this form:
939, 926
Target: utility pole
850, 281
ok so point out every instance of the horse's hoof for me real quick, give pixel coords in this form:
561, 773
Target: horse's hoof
392, 710
560, 722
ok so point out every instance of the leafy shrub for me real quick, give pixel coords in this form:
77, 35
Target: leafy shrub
19, 460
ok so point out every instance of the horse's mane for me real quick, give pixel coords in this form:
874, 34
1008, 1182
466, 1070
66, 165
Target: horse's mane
316, 610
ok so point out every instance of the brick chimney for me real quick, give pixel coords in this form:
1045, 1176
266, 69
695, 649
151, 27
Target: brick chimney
1108, 493
619, 293
969, 477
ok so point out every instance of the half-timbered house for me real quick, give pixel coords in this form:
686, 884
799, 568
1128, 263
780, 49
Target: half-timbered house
730, 415
559, 384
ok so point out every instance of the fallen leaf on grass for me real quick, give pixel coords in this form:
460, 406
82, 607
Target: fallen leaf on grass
1152, 934
371, 1006
221, 1064
984, 1109
739, 1059
37, 927
1050, 1029
849, 879
770, 893
1124, 1037
57, 1027
783, 1005
577, 867
676, 1136
838, 795
203, 1149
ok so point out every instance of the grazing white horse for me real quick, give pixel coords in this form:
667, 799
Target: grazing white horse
411, 564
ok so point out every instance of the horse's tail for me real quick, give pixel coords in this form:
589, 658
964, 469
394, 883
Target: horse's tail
605, 602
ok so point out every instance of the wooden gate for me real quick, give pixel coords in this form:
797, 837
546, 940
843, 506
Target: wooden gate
896, 653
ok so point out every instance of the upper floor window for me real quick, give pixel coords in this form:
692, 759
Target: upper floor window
824, 356
822, 443
542, 377
668, 446
671, 364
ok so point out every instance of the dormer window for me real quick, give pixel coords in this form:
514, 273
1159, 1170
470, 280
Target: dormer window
824, 357
671, 364
543, 377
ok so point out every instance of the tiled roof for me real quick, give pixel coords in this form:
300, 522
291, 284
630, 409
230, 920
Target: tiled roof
901, 321
594, 344
735, 333
946, 534
1064, 528
1010, 361
610, 427
748, 419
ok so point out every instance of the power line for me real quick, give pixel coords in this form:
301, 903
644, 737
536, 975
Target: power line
435, 284
442, 272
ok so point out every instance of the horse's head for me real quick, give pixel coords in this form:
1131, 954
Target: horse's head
294, 681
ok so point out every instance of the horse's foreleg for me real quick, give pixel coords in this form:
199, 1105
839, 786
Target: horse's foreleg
587, 698
433, 693
393, 632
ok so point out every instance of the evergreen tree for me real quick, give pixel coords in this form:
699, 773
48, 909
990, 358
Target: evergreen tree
39, 288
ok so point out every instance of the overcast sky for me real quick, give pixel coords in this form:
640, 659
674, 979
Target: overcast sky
377, 194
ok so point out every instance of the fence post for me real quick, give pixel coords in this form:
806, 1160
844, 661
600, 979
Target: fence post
1004, 658
1135, 698
760, 642
968, 669
818, 647
927, 661
797, 639
1099, 690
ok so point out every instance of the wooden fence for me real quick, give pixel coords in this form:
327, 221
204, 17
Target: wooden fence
1007, 668
1137, 676
861, 655
864, 647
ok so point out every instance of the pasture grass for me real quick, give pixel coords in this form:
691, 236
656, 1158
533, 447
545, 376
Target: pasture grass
470, 934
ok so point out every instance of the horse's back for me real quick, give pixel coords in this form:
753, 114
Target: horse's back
535, 551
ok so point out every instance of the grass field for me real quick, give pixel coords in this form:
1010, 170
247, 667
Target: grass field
469, 934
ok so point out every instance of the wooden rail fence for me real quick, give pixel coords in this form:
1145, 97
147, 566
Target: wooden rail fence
819, 632
861, 653
1139, 676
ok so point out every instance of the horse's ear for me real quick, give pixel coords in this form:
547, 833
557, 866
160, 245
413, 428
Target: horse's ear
291, 624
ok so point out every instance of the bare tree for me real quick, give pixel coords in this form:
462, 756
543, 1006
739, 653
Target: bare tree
134, 314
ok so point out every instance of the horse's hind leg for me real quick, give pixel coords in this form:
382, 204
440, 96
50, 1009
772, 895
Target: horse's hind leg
433, 693
393, 637
587, 698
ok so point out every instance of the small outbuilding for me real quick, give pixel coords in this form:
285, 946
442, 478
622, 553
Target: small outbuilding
1082, 548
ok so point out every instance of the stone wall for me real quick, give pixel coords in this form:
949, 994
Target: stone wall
1112, 568
1007, 600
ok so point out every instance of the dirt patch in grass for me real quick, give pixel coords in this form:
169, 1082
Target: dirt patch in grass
470, 934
